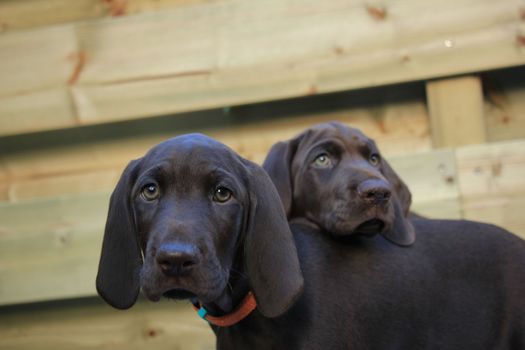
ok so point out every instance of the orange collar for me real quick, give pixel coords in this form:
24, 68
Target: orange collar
247, 305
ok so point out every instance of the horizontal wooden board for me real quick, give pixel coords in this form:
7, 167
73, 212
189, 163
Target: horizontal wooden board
489, 170
88, 324
504, 211
25, 14
49, 249
16, 14
44, 165
18, 111
432, 179
442, 209
492, 183
431, 176
230, 53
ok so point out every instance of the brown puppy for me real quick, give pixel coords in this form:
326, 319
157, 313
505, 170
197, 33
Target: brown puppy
334, 177
187, 221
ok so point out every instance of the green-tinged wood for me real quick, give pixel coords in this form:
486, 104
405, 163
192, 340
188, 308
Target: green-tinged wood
33, 62
55, 165
438, 209
432, 179
88, 324
18, 112
456, 111
49, 249
236, 52
431, 176
505, 211
505, 103
492, 169
25, 14
492, 183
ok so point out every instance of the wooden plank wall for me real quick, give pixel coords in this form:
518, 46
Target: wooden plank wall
88, 85
236, 52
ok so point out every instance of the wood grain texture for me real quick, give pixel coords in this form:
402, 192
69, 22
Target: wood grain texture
82, 161
491, 182
432, 179
456, 111
26, 14
505, 104
50, 249
228, 53
89, 324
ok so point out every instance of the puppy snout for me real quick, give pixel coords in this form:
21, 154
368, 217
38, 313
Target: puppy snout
374, 192
176, 259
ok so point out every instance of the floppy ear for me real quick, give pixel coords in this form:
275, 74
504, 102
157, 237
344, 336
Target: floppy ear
400, 188
402, 232
121, 259
278, 164
269, 249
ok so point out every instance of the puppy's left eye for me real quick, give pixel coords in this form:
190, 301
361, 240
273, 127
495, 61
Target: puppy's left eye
322, 161
150, 192
222, 194
374, 159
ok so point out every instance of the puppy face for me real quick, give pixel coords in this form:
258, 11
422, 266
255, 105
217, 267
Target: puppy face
339, 183
335, 177
191, 219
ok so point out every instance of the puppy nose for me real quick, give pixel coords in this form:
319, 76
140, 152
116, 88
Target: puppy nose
176, 259
374, 192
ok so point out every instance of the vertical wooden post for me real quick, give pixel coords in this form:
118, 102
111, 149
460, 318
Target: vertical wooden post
456, 111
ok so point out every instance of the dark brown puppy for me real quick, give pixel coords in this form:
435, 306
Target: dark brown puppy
190, 218
334, 177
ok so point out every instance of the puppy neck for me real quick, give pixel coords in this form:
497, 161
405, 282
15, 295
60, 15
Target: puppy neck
222, 312
236, 290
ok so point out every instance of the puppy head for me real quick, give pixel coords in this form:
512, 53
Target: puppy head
186, 220
334, 176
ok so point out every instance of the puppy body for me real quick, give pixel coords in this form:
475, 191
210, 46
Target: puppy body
460, 286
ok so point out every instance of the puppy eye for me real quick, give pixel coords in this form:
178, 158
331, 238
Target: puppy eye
222, 194
374, 159
150, 192
322, 161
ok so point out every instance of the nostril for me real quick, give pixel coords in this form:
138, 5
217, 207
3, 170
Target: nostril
176, 265
165, 264
188, 263
370, 194
376, 195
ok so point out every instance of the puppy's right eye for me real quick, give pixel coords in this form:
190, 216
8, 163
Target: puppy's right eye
322, 161
374, 159
222, 194
150, 192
